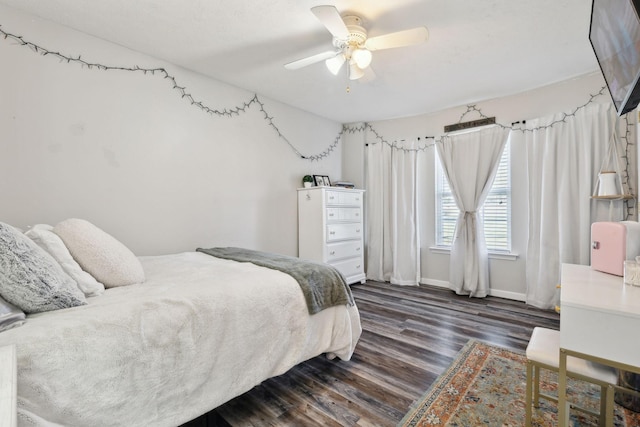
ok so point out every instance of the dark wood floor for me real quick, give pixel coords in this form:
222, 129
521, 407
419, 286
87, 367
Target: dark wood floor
410, 336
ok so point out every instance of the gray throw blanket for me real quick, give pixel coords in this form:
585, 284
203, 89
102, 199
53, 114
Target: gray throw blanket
322, 285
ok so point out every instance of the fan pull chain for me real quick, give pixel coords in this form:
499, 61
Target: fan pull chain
348, 89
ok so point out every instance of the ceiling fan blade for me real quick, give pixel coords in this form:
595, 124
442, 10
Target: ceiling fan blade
310, 60
398, 39
330, 17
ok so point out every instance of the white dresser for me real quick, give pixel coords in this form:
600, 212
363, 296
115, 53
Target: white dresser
331, 229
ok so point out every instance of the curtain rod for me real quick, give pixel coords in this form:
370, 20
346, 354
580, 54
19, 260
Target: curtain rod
418, 138
467, 125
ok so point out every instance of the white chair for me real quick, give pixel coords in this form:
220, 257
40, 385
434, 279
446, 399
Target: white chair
543, 352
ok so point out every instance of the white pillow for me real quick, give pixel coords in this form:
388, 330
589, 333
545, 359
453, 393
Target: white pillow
30, 278
44, 237
99, 253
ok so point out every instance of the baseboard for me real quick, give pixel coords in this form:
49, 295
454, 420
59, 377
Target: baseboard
515, 296
434, 282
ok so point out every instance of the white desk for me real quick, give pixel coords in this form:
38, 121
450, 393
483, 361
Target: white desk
599, 321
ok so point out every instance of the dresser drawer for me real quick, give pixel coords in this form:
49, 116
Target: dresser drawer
342, 198
343, 250
337, 232
344, 214
350, 267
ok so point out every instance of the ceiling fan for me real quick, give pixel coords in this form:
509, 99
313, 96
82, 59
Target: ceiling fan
351, 43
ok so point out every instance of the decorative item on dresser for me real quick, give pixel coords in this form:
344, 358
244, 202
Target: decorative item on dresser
331, 229
321, 180
307, 181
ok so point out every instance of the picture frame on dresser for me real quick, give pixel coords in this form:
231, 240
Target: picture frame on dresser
321, 181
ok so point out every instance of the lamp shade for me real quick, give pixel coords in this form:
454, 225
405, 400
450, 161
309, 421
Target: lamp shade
334, 64
354, 71
362, 57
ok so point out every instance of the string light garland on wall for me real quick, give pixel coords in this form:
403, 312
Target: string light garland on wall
182, 91
255, 100
399, 144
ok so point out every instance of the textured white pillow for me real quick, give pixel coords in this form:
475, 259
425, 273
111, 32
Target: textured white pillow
99, 253
30, 278
44, 237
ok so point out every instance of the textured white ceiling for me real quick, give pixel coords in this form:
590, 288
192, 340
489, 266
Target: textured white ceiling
477, 50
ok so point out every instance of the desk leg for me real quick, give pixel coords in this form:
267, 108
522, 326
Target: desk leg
608, 420
563, 410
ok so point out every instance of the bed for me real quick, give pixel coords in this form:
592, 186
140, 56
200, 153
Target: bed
198, 331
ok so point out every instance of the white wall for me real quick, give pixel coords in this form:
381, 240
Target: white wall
125, 151
507, 277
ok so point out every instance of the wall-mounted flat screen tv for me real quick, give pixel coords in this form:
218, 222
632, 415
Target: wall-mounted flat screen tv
615, 37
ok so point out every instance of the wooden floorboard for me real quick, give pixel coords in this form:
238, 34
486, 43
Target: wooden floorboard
410, 336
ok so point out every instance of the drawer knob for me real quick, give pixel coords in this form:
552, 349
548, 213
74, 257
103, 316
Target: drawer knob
332, 253
357, 230
357, 213
357, 249
330, 214
332, 232
358, 266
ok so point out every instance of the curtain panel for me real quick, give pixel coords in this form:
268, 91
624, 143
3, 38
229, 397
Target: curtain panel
563, 162
393, 242
470, 161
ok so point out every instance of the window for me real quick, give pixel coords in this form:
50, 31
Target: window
496, 211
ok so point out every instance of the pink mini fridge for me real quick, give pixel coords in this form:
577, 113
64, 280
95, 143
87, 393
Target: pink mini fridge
612, 243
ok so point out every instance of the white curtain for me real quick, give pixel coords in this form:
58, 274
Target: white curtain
393, 243
470, 162
563, 162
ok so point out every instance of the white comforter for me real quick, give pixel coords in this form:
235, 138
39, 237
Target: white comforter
198, 332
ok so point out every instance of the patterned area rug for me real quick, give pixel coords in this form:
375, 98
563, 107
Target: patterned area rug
485, 386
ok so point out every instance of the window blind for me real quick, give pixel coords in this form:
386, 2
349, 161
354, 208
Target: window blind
496, 211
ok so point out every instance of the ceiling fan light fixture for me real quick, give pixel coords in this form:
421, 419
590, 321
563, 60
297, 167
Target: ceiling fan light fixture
334, 64
352, 44
355, 72
362, 57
